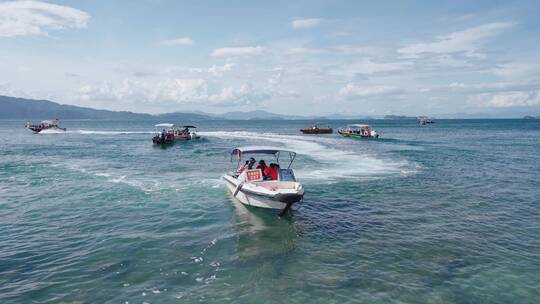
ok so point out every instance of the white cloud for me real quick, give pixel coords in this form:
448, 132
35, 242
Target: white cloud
214, 70
217, 70
305, 23
512, 70
276, 78
369, 67
508, 99
349, 49
493, 86
467, 42
244, 95
446, 60
23, 18
175, 91
342, 33
180, 91
353, 90
183, 41
305, 51
238, 51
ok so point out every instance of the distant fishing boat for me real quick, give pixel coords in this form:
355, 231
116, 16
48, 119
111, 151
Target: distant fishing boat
359, 131
423, 120
168, 133
251, 187
165, 136
316, 130
186, 133
45, 125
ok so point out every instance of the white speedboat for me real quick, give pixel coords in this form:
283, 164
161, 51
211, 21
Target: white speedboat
51, 125
251, 187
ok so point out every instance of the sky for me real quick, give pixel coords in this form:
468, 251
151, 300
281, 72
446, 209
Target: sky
291, 57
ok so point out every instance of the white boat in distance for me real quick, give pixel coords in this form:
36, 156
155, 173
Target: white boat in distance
170, 133
251, 188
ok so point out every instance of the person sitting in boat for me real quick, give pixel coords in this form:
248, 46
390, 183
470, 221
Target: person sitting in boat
271, 171
262, 165
242, 168
163, 135
251, 163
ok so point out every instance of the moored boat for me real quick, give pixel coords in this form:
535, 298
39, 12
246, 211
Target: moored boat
255, 187
316, 130
359, 131
45, 125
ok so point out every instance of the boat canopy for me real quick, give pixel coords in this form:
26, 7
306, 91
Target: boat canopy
275, 151
164, 125
190, 127
358, 126
260, 150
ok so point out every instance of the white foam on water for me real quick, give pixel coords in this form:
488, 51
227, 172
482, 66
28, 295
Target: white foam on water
52, 131
334, 163
119, 178
144, 182
103, 174
95, 132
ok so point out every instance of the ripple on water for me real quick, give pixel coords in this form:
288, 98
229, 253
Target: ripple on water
447, 214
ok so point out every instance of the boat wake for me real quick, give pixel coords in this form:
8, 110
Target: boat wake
93, 132
331, 163
146, 182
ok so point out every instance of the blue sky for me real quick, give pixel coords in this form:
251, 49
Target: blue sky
291, 57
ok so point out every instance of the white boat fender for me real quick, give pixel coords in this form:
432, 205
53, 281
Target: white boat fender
238, 188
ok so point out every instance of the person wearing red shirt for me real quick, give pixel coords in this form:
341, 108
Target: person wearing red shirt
271, 172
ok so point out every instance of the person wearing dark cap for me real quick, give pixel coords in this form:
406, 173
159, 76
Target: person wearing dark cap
251, 163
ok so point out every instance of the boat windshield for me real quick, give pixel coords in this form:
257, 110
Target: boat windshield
286, 175
244, 153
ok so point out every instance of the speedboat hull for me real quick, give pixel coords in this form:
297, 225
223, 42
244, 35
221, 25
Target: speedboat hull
37, 129
262, 199
317, 131
356, 135
186, 137
158, 140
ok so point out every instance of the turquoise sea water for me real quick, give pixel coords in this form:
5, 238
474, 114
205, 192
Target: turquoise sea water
447, 213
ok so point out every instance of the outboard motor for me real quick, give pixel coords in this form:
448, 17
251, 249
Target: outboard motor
374, 134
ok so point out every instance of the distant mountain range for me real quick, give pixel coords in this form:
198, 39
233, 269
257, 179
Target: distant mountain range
22, 108
398, 117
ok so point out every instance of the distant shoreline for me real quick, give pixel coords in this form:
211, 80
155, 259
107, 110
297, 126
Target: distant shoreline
31, 109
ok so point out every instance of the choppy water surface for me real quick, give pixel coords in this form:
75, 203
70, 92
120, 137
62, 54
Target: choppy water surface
448, 213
